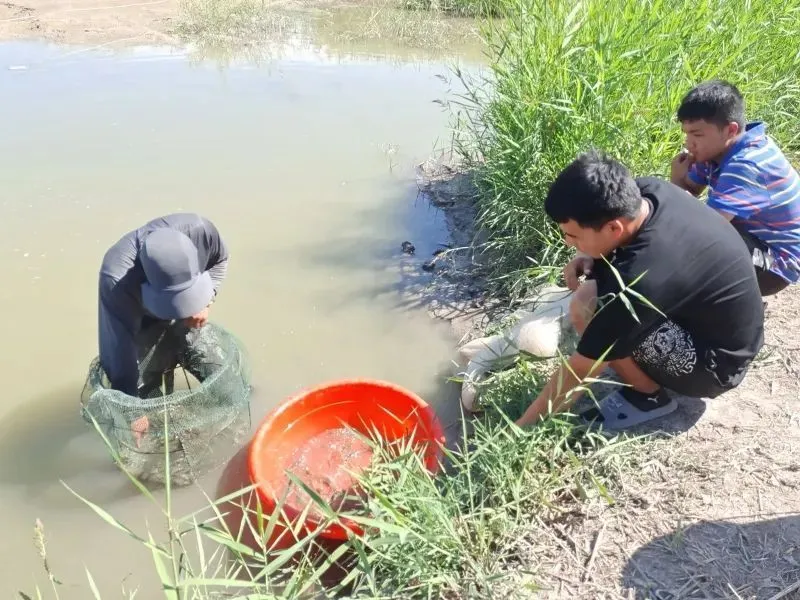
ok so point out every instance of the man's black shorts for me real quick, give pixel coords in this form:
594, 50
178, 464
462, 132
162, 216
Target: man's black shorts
673, 359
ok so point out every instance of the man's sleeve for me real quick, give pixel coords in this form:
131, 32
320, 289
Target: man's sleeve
614, 326
218, 273
119, 320
739, 191
217, 264
698, 173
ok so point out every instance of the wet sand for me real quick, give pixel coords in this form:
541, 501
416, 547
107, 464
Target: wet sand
233, 24
89, 21
118, 22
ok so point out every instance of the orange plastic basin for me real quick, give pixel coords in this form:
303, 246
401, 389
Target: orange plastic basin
363, 405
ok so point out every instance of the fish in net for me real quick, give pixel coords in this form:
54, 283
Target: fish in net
194, 386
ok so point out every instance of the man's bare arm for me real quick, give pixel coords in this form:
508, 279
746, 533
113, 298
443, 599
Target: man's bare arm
556, 397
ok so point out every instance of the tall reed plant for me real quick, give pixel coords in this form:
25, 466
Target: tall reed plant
567, 76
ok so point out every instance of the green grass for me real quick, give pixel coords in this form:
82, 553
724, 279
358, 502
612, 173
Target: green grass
461, 8
231, 21
566, 76
455, 535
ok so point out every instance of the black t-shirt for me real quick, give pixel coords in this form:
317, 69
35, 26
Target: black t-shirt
697, 271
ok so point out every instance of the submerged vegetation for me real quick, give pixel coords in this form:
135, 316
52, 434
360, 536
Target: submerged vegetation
462, 8
256, 30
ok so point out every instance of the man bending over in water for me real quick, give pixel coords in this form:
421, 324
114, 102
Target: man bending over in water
158, 280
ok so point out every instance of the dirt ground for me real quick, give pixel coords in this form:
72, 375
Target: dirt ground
715, 510
715, 513
107, 22
89, 21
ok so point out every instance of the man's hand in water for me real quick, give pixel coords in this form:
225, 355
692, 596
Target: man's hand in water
140, 428
199, 319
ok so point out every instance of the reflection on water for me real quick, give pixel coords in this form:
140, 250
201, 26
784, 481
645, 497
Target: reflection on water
377, 31
305, 165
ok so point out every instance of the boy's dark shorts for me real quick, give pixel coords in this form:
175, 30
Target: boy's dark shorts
768, 282
672, 358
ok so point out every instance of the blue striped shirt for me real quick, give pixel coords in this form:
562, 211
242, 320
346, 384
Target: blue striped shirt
757, 185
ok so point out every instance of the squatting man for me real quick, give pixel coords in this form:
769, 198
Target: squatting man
156, 285
691, 320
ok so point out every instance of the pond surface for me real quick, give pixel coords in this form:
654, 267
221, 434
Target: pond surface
306, 165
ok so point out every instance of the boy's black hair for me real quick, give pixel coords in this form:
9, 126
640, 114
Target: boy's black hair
592, 190
715, 101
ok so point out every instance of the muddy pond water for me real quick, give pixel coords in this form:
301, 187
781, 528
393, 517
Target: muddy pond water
306, 166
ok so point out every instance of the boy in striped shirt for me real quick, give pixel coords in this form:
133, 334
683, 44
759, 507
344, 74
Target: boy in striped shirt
751, 183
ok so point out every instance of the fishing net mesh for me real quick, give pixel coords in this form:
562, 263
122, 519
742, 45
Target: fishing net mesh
194, 395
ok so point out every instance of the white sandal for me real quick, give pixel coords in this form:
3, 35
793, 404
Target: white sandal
616, 411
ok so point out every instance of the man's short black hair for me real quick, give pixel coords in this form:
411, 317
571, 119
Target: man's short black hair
715, 101
592, 190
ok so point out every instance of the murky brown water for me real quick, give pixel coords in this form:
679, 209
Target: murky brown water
305, 165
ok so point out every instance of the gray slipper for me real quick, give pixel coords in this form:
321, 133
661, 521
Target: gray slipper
625, 408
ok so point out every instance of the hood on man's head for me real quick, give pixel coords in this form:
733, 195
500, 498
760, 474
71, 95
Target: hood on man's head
176, 286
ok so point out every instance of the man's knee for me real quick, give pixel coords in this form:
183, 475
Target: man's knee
583, 305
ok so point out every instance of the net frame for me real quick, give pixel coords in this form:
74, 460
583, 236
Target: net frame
206, 422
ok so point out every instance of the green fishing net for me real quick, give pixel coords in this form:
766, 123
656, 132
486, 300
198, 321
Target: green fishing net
194, 394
